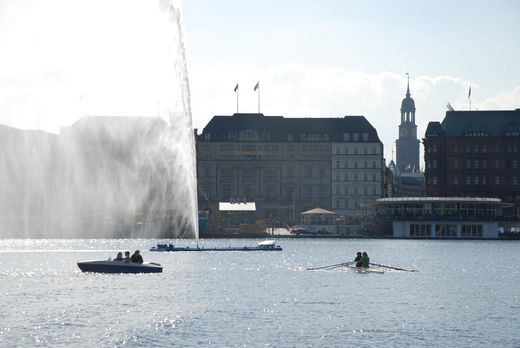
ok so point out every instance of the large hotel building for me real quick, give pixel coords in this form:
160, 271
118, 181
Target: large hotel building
289, 165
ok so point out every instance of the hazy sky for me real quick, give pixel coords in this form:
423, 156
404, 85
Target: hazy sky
61, 59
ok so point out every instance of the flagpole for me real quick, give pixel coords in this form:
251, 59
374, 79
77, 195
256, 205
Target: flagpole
258, 98
236, 91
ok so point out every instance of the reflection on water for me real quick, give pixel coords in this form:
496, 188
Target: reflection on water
465, 293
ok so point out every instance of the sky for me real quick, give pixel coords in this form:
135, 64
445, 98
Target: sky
63, 59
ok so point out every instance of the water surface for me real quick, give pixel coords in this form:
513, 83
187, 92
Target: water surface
465, 293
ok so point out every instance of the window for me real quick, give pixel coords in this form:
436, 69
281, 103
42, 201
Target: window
337, 150
269, 172
476, 164
365, 136
497, 164
455, 164
355, 176
475, 148
374, 177
355, 136
365, 150
206, 172
337, 176
374, 151
515, 164
365, 177
455, 180
338, 164
434, 148
323, 172
497, 180
374, 190
470, 231
206, 189
365, 164
445, 230
290, 137
290, 172
227, 190
476, 180
269, 191
497, 148
355, 151
420, 230
484, 180
249, 191
249, 172
468, 148
307, 193
374, 164
346, 164
308, 172
515, 180
355, 164
290, 147
434, 164
227, 172
455, 148
468, 164
322, 192
484, 164
434, 180
484, 148
468, 180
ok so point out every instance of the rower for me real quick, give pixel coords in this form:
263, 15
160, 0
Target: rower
365, 260
357, 260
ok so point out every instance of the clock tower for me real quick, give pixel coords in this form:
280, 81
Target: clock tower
407, 146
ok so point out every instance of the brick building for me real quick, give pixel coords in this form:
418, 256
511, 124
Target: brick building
475, 154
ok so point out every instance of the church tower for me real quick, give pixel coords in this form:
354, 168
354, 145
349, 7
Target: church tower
407, 146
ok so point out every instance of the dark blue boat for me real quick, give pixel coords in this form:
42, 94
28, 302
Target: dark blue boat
111, 266
267, 245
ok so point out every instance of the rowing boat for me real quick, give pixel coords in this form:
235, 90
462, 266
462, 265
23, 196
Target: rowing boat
365, 269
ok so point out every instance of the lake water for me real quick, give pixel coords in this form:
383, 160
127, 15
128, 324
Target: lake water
465, 293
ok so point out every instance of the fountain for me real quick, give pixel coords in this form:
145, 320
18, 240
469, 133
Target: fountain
106, 177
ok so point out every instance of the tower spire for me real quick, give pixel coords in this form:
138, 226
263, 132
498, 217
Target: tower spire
408, 87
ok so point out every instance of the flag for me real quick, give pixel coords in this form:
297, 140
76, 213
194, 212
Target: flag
257, 86
469, 92
236, 88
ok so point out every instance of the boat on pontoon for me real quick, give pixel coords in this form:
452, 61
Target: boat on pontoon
267, 245
114, 266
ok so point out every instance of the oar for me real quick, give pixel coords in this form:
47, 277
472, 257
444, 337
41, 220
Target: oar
330, 266
396, 268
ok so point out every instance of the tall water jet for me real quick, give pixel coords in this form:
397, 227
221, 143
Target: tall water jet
108, 176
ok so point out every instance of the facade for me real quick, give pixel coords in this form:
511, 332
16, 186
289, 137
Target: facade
357, 172
284, 165
441, 217
407, 146
475, 153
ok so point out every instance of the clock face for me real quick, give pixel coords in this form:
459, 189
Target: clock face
403, 132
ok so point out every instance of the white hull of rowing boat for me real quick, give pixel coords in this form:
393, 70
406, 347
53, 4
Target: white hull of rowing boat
365, 270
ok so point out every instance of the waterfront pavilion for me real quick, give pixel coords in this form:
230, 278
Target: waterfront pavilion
441, 217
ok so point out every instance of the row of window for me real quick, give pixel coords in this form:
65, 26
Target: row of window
356, 177
355, 164
472, 180
346, 204
474, 148
356, 151
473, 164
366, 190
446, 230
249, 191
268, 172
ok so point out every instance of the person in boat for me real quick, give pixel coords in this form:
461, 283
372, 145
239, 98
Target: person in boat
365, 260
136, 257
127, 257
357, 260
119, 257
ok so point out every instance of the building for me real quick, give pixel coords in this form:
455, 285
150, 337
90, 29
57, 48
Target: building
407, 146
441, 217
409, 184
286, 165
475, 154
